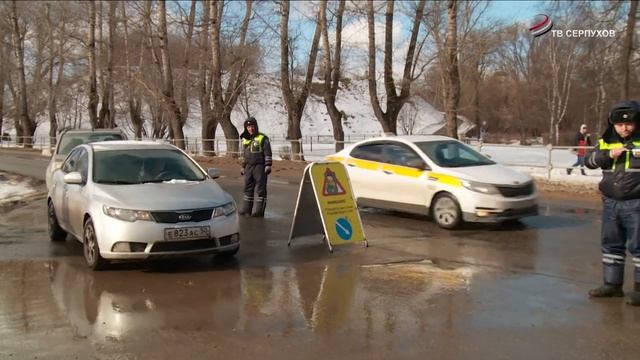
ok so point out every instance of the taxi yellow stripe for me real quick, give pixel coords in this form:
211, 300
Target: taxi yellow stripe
402, 170
364, 164
445, 179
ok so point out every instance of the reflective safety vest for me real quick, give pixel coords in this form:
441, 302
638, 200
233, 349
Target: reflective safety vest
255, 144
603, 145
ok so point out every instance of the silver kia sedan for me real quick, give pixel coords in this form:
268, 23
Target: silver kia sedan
139, 199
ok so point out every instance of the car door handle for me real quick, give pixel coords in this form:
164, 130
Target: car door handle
387, 172
352, 165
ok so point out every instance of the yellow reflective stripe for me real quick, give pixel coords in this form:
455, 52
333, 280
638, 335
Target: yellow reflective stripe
626, 161
364, 164
402, 170
334, 158
446, 179
609, 146
258, 138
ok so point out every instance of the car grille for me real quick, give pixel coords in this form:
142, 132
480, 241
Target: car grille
518, 190
183, 245
225, 240
172, 217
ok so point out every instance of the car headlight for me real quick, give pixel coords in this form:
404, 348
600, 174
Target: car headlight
126, 214
480, 187
224, 210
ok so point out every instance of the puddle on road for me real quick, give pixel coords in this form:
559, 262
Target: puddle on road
415, 277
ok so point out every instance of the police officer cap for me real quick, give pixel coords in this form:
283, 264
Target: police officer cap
250, 121
625, 111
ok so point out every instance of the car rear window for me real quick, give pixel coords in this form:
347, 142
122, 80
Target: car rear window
371, 152
69, 141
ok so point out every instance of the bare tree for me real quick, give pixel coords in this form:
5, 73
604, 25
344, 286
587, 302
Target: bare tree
224, 101
394, 101
407, 120
452, 81
628, 46
93, 82
174, 113
27, 124
295, 103
209, 122
133, 99
332, 71
3, 75
184, 94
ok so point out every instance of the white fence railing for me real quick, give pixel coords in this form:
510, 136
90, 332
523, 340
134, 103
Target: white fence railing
543, 159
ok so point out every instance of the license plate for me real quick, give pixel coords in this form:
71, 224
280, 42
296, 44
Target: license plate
187, 233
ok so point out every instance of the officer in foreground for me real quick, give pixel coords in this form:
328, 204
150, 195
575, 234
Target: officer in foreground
256, 166
618, 155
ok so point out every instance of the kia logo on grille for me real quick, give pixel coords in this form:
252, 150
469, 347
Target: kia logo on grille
184, 217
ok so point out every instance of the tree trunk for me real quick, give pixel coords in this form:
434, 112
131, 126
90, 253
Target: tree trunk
3, 74
51, 107
453, 78
175, 116
93, 82
332, 72
295, 104
110, 119
394, 103
184, 103
209, 122
134, 102
26, 123
224, 102
628, 47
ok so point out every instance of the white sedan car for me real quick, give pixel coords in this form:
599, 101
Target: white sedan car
437, 176
134, 200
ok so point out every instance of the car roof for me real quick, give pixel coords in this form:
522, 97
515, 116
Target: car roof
411, 138
89, 131
129, 145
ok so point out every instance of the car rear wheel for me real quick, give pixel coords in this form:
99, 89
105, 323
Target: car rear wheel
92, 256
56, 233
446, 211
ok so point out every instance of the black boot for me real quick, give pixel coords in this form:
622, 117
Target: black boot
261, 205
582, 172
569, 170
634, 297
607, 290
247, 206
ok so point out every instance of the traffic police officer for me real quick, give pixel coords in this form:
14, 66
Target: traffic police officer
256, 166
618, 155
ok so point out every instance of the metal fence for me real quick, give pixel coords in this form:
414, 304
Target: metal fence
544, 158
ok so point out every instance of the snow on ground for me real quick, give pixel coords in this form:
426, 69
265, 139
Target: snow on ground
14, 188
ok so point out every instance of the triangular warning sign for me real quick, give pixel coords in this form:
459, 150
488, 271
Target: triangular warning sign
331, 185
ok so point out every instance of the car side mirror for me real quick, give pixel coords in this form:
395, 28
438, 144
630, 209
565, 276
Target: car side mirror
213, 173
73, 178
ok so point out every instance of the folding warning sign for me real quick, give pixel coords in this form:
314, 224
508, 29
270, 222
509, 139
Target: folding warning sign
326, 205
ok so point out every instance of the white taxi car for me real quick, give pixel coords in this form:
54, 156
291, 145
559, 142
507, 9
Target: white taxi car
437, 176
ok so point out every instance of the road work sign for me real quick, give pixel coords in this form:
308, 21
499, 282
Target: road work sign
326, 206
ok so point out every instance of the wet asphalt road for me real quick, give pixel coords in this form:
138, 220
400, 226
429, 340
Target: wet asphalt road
417, 292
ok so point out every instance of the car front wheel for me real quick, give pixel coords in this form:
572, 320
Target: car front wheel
92, 256
56, 233
446, 211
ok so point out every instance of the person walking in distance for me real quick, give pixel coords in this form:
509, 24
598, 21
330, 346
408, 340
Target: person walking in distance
256, 166
618, 155
581, 140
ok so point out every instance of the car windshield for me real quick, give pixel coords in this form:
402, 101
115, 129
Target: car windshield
69, 141
143, 166
449, 153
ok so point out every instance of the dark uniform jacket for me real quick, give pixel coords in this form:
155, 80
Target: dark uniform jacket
256, 149
621, 176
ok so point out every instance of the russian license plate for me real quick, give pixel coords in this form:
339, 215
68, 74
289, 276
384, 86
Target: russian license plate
187, 233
